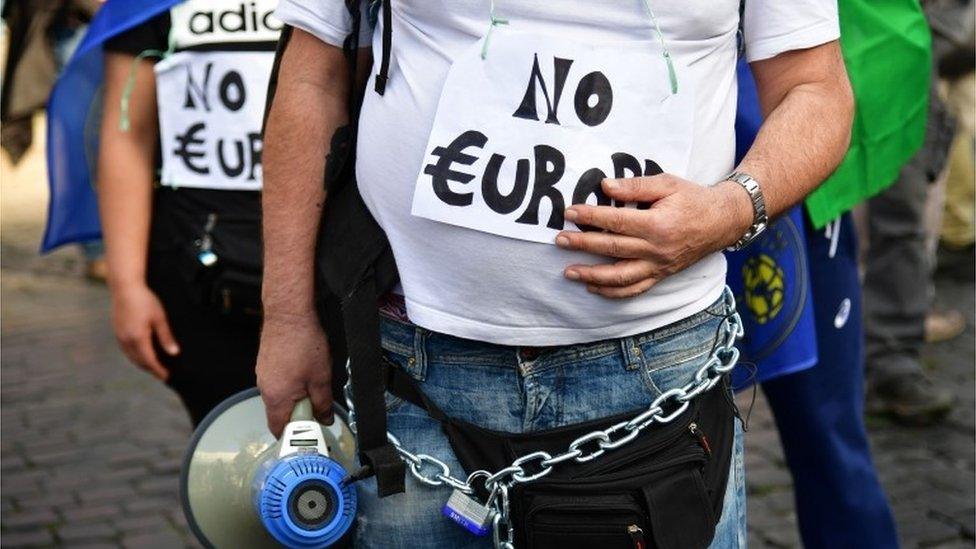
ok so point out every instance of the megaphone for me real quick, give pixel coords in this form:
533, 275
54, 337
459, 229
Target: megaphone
241, 488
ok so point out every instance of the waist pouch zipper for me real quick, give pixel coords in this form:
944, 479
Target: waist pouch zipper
701, 438
637, 534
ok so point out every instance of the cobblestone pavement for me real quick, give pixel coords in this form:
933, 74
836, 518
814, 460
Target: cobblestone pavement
926, 472
91, 447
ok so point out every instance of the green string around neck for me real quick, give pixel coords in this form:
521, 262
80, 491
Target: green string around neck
130, 84
495, 21
672, 75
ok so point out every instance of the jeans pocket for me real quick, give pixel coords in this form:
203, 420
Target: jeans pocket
673, 361
393, 402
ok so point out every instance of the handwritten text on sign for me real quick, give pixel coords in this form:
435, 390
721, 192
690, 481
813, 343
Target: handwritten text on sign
537, 126
211, 106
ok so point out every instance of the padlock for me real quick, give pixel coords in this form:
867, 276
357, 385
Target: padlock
468, 512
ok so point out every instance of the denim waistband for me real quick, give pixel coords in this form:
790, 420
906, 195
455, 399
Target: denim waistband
420, 344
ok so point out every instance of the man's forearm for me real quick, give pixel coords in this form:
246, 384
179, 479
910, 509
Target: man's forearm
310, 104
125, 168
807, 128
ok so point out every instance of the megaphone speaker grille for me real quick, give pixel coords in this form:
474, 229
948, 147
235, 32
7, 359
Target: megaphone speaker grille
313, 504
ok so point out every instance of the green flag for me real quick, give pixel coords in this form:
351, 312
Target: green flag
887, 48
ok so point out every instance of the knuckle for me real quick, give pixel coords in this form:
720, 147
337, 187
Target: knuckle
628, 291
577, 241
321, 382
276, 399
666, 227
272, 397
658, 255
611, 294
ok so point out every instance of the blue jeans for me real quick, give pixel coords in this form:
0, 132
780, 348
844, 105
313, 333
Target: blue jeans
520, 390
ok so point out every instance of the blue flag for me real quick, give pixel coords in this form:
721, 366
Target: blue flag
73, 120
770, 278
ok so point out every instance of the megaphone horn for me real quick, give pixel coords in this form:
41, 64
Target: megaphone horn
240, 488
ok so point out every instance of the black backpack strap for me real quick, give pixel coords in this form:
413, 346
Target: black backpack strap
401, 385
362, 324
353, 275
384, 73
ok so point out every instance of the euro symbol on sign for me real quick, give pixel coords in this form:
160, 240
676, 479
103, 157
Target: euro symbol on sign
183, 150
441, 172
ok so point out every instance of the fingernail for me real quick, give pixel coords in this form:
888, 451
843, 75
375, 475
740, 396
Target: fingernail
173, 349
571, 215
610, 183
572, 275
562, 242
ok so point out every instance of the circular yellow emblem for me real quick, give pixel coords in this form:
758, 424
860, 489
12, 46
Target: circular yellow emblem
764, 283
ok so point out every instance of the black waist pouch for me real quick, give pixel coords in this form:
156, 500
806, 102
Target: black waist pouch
218, 236
665, 489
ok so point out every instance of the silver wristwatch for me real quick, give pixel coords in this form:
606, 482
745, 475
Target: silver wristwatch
759, 219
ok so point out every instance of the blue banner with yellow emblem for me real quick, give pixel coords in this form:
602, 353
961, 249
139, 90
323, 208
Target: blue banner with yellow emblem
770, 278
73, 121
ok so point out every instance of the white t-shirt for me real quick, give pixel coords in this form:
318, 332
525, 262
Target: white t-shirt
478, 285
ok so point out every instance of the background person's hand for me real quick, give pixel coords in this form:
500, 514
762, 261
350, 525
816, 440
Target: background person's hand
685, 223
294, 362
139, 319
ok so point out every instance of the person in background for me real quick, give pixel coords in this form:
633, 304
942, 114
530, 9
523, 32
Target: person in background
43, 36
819, 410
801, 309
36, 29
67, 35
954, 26
898, 280
179, 180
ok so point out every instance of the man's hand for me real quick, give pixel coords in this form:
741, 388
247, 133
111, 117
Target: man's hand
294, 362
685, 223
808, 107
138, 319
308, 108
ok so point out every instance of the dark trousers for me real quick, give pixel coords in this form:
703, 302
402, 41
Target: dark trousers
898, 277
819, 413
898, 286
217, 352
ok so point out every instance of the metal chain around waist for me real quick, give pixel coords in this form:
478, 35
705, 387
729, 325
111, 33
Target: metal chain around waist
665, 408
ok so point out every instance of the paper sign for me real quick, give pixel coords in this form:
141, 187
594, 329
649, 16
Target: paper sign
211, 106
539, 123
